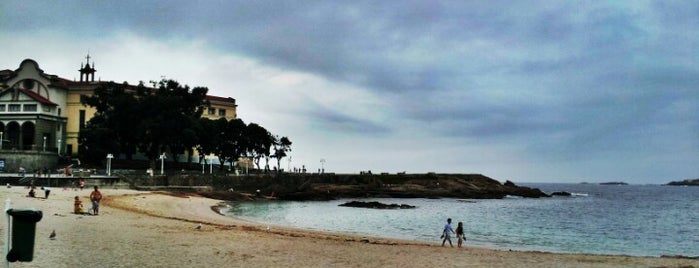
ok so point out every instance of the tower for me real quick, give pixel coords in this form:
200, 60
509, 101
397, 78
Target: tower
87, 71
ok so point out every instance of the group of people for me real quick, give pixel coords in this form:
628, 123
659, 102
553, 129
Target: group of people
32, 191
95, 198
447, 231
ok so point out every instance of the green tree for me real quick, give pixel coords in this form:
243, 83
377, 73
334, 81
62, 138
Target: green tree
260, 142
282, 146
116, 114
172, 108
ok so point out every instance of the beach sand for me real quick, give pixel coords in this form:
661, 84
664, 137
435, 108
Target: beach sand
154, 229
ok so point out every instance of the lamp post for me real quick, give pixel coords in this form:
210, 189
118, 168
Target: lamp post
288, 165
211, 164
162, 164
1, 139
109, 164
322, 165
44, 148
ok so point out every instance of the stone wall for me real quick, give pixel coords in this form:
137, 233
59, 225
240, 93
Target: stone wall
29, 160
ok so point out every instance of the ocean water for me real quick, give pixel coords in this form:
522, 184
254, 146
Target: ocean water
648, 220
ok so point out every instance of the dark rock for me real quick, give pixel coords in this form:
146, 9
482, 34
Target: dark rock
509, 183
694, 182
374, 204
614, 183
561, 194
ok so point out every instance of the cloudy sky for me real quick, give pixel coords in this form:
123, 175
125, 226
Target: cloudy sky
542, 91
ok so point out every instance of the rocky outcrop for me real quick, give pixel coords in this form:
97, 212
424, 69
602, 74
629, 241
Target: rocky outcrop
614, 183
694, 182
335, 186
561, 194
407, 186
375, 205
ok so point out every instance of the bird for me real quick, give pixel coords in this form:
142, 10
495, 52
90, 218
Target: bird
198, 227
52, 236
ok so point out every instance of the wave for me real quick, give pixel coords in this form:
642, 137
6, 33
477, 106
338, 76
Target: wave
579, 194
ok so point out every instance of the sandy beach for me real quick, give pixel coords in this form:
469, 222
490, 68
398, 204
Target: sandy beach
156, 229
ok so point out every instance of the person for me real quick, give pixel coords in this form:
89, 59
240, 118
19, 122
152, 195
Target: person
47, 191
32, 193
82, 184
460, 233
78, 206
95, 197
446, 233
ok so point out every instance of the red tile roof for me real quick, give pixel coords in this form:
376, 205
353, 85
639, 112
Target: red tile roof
37, 97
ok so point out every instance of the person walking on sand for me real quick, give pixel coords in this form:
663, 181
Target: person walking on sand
460, 233
95, 197
446, 233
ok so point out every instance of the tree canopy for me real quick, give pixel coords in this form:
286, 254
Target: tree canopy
167, 118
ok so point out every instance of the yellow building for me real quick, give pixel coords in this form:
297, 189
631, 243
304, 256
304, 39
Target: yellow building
43, 112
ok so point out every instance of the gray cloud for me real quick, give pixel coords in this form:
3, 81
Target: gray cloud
564, 80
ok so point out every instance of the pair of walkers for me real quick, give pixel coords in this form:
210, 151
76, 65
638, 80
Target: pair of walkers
447, 231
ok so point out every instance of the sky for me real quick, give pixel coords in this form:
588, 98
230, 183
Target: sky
528, 91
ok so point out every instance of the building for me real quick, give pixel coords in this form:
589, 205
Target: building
42, 113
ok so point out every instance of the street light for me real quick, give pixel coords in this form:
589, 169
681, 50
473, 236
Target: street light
288, 165
109, 164
322, 165
44, 149
211, 163
162, 164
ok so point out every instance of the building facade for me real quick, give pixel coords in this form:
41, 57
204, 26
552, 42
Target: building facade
40, 112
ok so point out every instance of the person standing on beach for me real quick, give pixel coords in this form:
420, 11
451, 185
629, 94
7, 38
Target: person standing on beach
460, 233
95, 197
446, 233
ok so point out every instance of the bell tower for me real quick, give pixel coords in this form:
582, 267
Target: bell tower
87, 71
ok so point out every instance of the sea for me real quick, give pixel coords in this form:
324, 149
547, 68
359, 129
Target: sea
635, 220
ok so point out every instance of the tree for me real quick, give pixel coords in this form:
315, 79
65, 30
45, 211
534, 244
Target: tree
282, 146
150, 120
260, 142
233, 141
172, 108
111, 127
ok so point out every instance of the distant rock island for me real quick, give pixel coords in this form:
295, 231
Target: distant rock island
614, 183
375, 205
336, 186
694, 182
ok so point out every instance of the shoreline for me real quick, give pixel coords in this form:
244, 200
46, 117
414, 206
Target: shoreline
524, 249
141, 229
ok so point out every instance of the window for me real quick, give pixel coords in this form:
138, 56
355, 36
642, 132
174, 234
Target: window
82, 120
212, 111
59, 111
2, 107
47, 109
30, 107
15, 107
222, 112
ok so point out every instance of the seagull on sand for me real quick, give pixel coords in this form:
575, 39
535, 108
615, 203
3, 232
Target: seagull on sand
198, 227
52, 236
